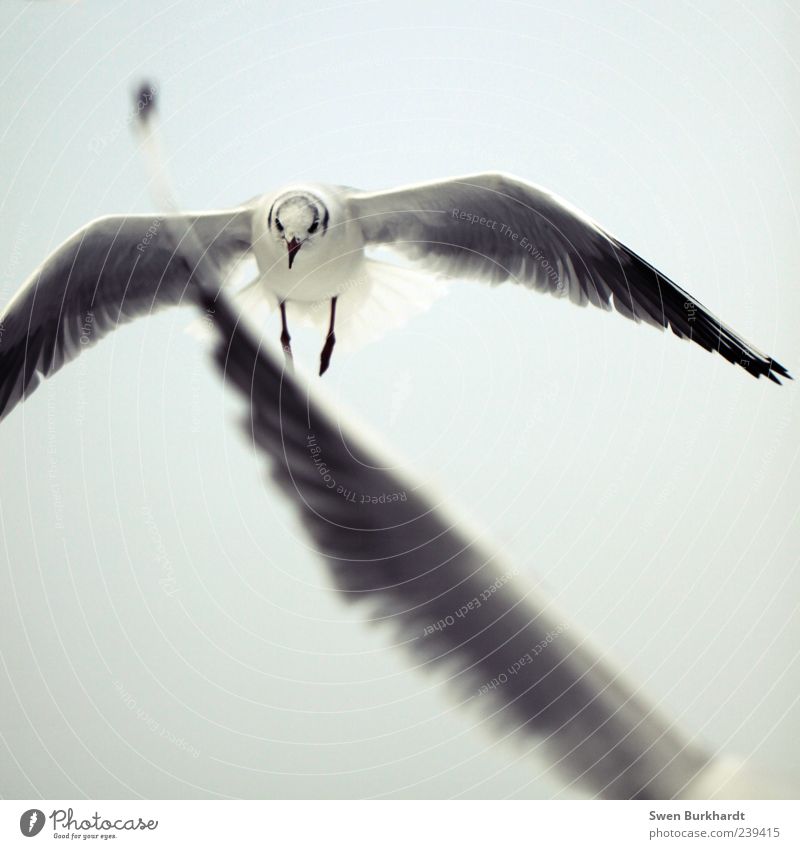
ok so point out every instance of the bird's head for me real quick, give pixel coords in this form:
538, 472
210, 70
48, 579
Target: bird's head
297, 218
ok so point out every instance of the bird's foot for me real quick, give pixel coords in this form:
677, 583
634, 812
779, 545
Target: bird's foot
325, 356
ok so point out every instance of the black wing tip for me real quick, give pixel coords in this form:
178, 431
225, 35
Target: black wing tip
776, 370
145, 100
665, 304
769, 368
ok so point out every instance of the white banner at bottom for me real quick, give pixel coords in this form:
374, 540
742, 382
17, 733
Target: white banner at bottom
401, 824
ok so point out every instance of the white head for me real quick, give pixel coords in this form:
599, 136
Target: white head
297, 218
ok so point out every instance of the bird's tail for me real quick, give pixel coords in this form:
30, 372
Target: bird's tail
382, 300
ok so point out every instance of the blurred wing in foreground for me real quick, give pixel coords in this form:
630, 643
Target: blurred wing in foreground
450, 595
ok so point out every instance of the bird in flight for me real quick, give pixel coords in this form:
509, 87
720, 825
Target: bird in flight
343, 258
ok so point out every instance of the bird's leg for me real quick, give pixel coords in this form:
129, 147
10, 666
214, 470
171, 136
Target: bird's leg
286, 339
330, 341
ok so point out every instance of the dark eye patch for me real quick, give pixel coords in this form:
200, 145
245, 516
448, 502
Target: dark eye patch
314, 226
279, 226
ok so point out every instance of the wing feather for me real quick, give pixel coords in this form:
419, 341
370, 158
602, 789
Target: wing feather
112, 270
495, 227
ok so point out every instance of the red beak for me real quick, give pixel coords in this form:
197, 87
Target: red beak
293, 246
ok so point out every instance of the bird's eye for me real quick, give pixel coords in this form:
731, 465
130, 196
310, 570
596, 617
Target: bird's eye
314, 227
279, 226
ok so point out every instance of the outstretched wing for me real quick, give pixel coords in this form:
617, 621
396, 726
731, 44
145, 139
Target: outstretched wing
454, 601
114, 269
495, 227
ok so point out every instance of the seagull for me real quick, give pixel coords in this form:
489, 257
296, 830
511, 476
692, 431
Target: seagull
347, 259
